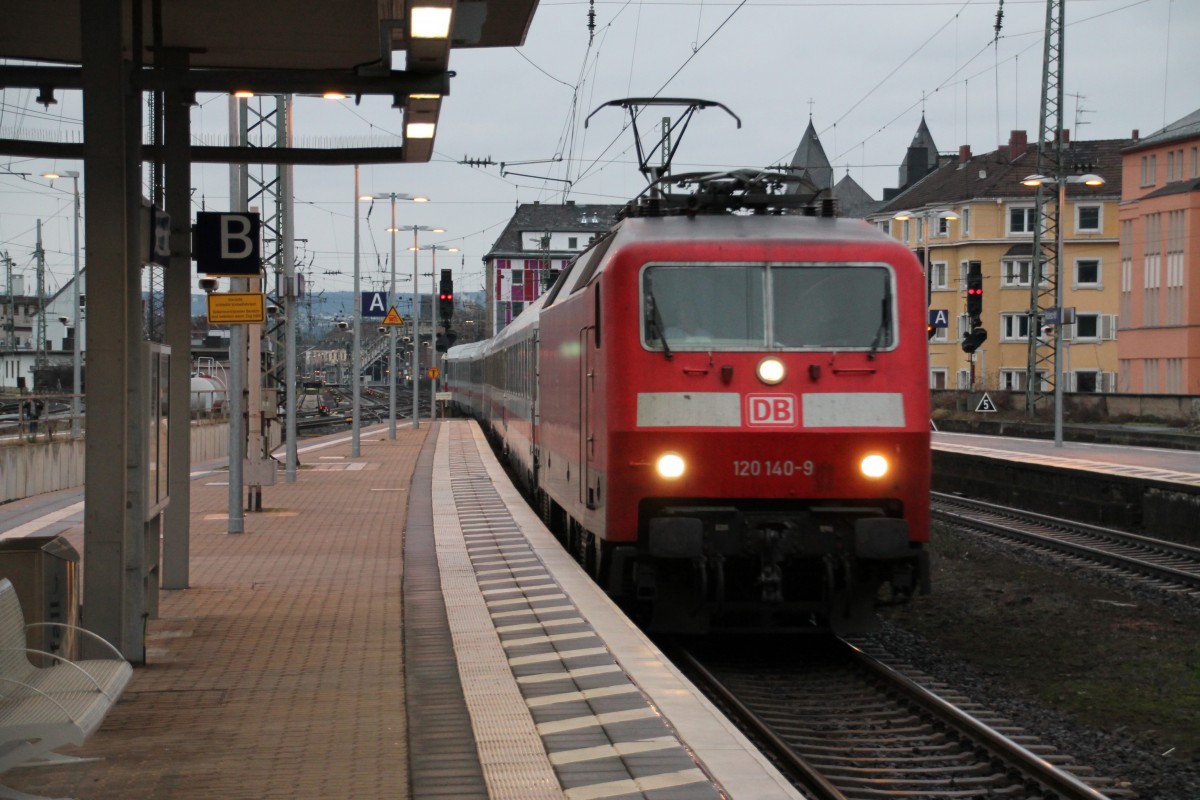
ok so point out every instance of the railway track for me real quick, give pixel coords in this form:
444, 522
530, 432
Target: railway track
1163, 566
847, 724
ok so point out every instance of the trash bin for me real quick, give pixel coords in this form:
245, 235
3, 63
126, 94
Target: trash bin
45, 572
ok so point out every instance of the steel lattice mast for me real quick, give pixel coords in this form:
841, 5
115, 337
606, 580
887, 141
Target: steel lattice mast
1043, 273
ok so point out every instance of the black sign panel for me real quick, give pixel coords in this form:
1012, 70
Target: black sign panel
228, 243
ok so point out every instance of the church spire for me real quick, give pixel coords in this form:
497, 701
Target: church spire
810, 156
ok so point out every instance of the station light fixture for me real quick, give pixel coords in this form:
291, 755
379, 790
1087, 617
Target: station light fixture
430, 22
419, 130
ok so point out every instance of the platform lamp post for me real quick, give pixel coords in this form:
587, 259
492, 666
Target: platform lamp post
416, 317
933, 213
433, 277
77, 355
1035, 275
392, 364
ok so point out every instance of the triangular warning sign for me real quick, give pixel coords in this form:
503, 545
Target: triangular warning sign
985, 404
393, 318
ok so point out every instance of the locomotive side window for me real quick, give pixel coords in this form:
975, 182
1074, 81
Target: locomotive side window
724, 307
832, 306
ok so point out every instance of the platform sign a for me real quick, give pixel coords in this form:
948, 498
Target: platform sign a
227, 243
939, 318
374, 304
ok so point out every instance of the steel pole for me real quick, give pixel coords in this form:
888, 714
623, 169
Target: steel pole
392, 336
1058, 301
355, 368
433, 312
77, 355
416, 350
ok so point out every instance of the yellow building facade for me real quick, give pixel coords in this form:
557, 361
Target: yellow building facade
975, 209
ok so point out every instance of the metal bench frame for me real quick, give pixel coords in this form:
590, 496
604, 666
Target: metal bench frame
44, 708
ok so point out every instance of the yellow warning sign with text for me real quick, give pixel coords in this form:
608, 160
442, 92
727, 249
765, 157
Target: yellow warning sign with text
393, 318
234, 308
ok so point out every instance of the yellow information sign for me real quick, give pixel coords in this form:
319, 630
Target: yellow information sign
237, 308
393, 318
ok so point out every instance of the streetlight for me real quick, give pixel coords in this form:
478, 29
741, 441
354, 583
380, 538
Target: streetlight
416, 317
433, 248
77, 355
1035, 275
926, 215
393, 196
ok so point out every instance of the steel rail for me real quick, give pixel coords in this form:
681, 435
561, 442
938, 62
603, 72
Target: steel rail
1063, 784
1092, 552
812, 779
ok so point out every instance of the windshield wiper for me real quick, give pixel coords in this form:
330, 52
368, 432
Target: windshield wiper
657, 324
885, 322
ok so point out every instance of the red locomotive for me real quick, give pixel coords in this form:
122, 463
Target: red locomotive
724, 417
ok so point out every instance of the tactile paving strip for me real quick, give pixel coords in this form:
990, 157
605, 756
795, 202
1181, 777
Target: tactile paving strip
554, 713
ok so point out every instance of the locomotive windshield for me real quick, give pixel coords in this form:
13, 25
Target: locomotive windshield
760, 306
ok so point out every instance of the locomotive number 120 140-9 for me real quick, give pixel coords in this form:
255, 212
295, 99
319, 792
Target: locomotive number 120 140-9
784, 469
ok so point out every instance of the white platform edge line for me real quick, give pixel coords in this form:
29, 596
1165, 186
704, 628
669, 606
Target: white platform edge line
504, 729
726, 753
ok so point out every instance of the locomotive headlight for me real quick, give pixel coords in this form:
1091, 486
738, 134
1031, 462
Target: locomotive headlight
670, 465
770, 370
874, 466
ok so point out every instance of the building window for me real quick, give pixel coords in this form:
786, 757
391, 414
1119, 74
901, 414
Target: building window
885, 226
966, 221
937, 378
943, 226
572, 242
518, 277
1087, 381
938, 275
1087, 326
1021, 220
1014, 327
1087, 219
1014, 273
1087, 273
1011, 379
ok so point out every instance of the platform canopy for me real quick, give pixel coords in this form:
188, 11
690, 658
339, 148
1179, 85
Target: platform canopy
278, 46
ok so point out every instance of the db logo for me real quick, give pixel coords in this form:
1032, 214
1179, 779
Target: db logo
771, 409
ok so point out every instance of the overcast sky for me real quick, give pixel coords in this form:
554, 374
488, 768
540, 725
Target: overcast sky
865, 70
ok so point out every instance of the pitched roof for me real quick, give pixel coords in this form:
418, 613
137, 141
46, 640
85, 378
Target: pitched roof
1186, 128
993, 175
853, 200
557, 218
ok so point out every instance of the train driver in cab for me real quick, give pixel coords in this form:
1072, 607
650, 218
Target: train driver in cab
686, 325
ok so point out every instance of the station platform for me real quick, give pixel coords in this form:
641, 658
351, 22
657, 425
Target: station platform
1149, 490
397, 625
1157, 464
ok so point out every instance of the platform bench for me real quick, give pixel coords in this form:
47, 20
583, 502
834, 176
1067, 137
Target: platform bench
45, 707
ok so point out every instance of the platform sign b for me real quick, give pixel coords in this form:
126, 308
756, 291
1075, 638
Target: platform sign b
227, 243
